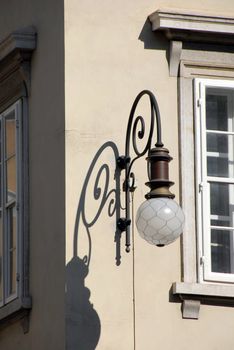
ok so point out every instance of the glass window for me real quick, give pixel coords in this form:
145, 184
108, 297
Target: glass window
9, 227
215, 157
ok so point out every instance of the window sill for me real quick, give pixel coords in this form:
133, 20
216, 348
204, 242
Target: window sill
194, 294
15, 310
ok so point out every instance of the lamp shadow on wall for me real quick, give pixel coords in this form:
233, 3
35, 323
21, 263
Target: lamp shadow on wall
83, 326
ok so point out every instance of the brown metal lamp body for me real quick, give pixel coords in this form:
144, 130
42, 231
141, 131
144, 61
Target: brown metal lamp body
158, 173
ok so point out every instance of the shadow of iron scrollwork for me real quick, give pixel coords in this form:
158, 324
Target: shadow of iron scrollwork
83, 326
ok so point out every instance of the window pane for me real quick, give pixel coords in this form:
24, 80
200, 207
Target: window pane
220, 221
221, 251
11, 178
218, 143
10, 134
11, 220
219, 114
220, 157
217, 167
222, 203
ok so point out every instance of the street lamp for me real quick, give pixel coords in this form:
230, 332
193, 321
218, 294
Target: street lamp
159, 219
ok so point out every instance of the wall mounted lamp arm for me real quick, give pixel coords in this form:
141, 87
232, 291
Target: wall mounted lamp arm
158, 159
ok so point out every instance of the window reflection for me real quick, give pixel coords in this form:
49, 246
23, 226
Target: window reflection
220, 251
216, 109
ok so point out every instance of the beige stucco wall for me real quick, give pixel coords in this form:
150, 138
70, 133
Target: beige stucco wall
46, 173
110, 55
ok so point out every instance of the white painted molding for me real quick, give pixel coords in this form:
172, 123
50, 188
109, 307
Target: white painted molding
222, 67
175, 57
187, 24
187, 179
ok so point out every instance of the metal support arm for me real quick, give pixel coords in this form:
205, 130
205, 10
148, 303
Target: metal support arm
158, 159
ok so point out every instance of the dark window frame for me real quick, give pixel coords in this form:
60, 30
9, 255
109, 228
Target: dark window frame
15, 66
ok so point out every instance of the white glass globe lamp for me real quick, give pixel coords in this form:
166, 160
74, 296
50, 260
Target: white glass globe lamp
160, 221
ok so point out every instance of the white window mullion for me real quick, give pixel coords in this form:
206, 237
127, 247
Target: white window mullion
207, 235
201, 175
199, 183
205, 198
225, 180
218, 132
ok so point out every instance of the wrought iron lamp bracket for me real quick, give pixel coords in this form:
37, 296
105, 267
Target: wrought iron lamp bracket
157, 159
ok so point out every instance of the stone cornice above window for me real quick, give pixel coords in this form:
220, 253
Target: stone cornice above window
190, 32
23, 41
15, 55
193, 26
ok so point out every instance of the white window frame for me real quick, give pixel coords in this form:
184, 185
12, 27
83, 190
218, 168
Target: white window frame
203, 182
7, 297
193, 288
